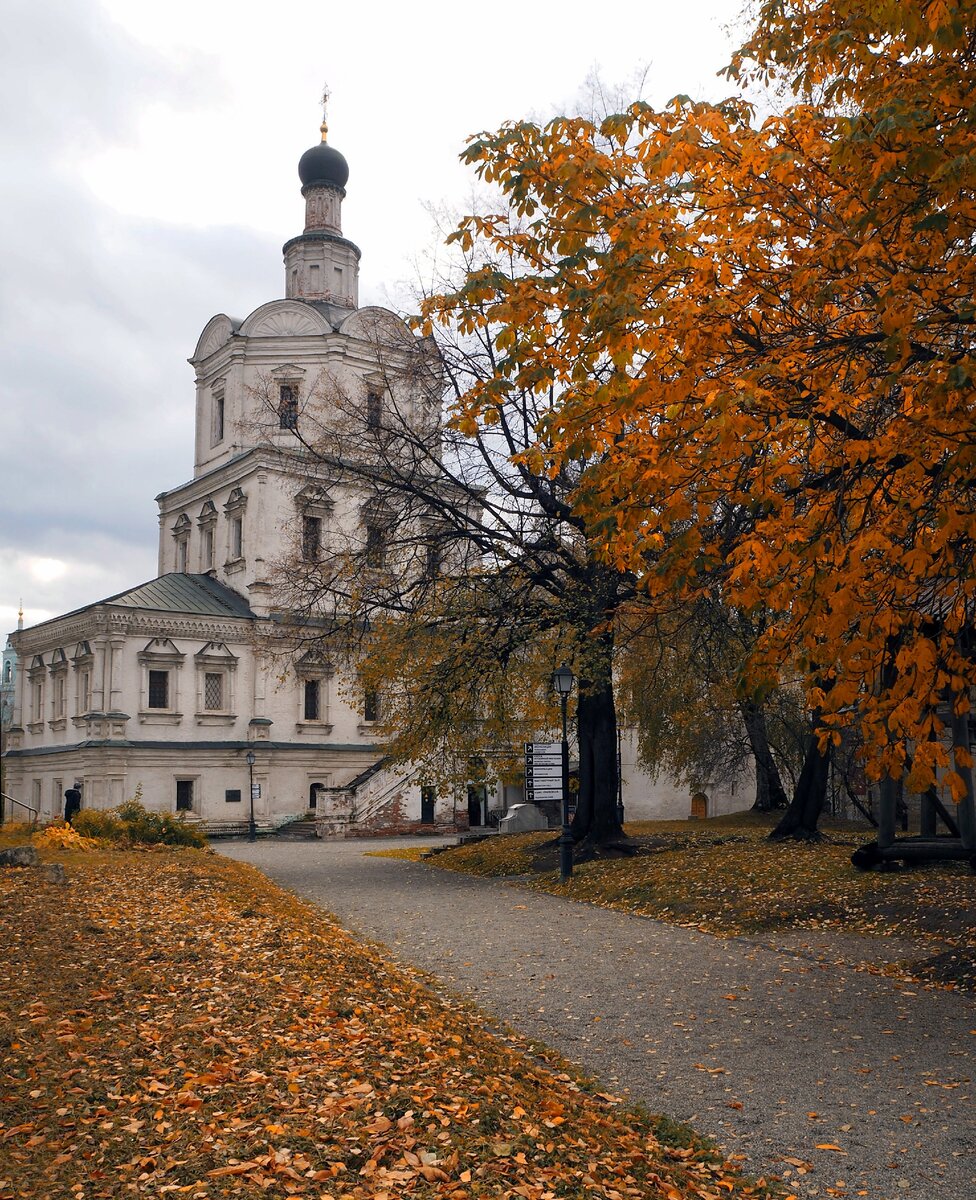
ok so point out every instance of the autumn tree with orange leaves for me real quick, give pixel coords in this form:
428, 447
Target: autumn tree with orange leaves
762, 338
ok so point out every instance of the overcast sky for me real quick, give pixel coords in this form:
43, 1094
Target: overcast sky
148, 181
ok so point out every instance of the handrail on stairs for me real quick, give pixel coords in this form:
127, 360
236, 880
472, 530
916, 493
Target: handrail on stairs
22, 804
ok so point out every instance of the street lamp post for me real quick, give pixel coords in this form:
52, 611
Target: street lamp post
249, 759
562, 681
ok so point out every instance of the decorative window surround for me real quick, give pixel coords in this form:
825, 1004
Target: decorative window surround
286, 393
234, 512
217, 413
59, 690
313, 669
315, 506
372, 711
161, 655
83, 663
216, 675
181, 536
207, 524
36, 675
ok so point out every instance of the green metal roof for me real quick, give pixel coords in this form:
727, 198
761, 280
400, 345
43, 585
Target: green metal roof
181, 593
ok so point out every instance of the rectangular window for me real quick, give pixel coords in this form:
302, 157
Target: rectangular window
208, 549
60, 696
287, 407
184, 795
232, 796
217, 426
159, 689
313, 699
237, 537
181, 553
213, 691
37, 701
311, 538
374, 410
313, 278
433, 560
84, 692
375, 546
371, 705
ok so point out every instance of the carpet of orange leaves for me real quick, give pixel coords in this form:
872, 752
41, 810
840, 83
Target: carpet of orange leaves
173, 1023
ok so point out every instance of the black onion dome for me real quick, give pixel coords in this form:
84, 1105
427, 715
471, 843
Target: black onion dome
323, 165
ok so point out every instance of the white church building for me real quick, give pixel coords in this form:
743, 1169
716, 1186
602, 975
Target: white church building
168, 687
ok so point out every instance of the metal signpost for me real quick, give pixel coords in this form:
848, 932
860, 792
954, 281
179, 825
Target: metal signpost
543, 772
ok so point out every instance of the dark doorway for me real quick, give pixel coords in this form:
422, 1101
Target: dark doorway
427, 797
313, 794
476, 804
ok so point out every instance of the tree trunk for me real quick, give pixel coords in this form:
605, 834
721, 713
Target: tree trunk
596, 820
770, 793
799, 822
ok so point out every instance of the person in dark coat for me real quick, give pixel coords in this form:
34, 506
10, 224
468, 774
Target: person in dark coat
72, 803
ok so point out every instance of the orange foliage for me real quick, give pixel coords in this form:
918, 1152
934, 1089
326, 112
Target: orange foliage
769, 333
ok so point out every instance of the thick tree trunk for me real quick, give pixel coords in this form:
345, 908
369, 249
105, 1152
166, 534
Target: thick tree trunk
799, 822
596, 820
770, 793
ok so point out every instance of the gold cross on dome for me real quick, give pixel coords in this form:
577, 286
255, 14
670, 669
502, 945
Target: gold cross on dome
325, 111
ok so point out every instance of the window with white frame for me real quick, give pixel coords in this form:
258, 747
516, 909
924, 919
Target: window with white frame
234, 512
207, 523
83, 662
181, 539
161, 661
216, 418
315, 507
216, 668
314, 691
36, 678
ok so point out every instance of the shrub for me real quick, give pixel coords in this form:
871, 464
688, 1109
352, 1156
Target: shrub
62, 837
132, 823
153, 829
97, 823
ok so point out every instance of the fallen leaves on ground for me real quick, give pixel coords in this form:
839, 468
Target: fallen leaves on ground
173, 1023
724, 877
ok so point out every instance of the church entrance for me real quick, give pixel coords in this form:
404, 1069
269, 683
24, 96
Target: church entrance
427, 797
476, 804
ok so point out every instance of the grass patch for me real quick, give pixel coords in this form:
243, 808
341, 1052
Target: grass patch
723, 876
173, 1022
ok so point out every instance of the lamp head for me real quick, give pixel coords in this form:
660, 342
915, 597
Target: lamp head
562, 680
249, 758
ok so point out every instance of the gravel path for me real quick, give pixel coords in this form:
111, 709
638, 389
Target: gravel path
770, 1051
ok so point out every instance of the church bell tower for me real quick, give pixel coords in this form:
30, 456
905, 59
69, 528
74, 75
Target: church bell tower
320, 264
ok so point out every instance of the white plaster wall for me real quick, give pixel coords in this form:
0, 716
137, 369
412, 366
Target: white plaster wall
661, 799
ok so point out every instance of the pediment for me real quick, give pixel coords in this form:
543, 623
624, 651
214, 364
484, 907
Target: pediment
217, 331
285, 318
161, 648
215, 653
374, 324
